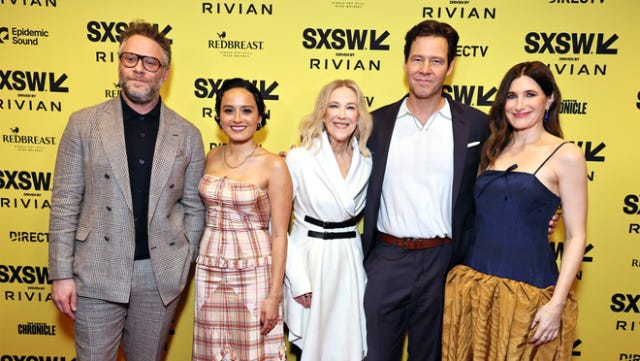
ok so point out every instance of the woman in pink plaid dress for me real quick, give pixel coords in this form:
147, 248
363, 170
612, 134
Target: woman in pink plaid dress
240, 269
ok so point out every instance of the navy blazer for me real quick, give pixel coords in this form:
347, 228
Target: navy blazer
470, 130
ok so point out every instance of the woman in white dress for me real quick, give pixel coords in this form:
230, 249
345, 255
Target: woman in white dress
325, 278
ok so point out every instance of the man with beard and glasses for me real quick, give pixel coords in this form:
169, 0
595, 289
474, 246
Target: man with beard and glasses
126, 216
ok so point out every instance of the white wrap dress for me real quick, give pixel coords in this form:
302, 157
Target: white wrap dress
333, 328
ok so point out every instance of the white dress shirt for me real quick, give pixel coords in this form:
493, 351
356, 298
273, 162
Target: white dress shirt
417, 187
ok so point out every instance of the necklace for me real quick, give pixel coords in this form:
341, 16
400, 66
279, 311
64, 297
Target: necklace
224, 157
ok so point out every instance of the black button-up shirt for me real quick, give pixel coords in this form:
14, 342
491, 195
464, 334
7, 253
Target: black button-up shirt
140, 133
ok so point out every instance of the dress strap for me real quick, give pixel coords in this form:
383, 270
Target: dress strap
549, 157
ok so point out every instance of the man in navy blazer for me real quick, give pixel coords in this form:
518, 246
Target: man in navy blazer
419, 217
126, 217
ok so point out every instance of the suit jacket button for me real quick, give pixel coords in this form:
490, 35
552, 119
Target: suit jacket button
109, 208
106, 238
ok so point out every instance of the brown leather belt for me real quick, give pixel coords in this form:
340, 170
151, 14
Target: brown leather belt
413, 244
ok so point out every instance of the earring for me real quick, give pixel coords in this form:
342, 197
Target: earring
546, 115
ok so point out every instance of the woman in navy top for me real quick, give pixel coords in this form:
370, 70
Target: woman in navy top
509, 301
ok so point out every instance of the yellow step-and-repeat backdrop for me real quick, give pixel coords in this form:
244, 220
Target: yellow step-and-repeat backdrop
57, 56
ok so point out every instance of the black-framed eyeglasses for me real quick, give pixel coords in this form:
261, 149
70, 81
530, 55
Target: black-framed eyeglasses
130, 60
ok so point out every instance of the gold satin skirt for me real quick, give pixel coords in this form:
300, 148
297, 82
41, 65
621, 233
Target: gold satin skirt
488, 318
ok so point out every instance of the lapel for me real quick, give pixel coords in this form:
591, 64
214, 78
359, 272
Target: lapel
111, 133
164, 155
380, 152
460, 138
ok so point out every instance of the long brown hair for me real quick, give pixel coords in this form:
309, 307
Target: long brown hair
501, 130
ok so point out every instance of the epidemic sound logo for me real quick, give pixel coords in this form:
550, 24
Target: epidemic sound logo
4, 34
27, 36
103, 31
36, 328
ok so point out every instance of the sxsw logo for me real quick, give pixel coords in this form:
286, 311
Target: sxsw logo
341, 39
207, 88
631, 204
103, 31
570, 43
25, 180
24, 80
621, 302
24, 274
474, 95
4, 34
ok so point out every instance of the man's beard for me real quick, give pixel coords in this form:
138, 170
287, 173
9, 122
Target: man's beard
138, 95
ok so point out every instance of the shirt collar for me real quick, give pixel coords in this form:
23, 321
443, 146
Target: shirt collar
444, 112
129, 113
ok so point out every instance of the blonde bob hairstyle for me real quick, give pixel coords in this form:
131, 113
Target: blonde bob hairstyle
312, 125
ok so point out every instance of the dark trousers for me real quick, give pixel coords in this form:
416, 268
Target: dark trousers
405, 292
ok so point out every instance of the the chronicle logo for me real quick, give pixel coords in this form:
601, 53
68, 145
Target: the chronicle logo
573, 106
232, 47
231, 8
37, 329
109, 31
